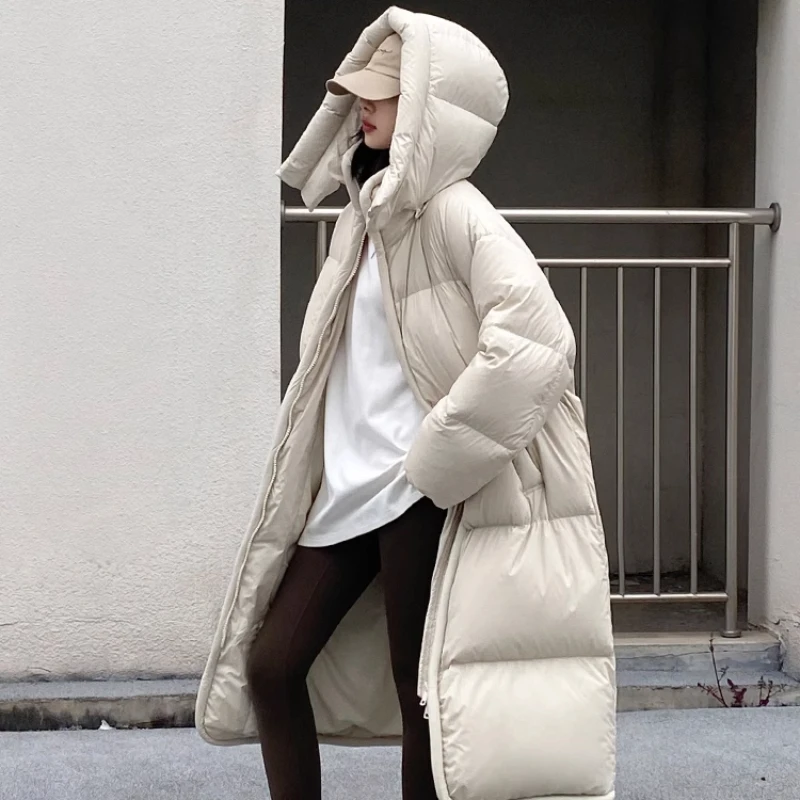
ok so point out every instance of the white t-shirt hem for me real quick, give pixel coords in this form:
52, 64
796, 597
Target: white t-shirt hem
328, 537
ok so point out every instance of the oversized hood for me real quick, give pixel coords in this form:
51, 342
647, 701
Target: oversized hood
453, 96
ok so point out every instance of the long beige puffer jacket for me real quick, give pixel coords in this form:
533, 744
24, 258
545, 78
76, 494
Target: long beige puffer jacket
517, 668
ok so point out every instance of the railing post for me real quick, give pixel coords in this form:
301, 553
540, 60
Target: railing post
657, 431
322, 244
584, 349
621, 427
694, 519
732, 441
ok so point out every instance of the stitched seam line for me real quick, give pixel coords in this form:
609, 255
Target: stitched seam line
487, 525
479, 662
429, 288
484, 435
528, 339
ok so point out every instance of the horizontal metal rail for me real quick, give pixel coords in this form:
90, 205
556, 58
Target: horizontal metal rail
571, 263
733, 219
671, 597
656, 216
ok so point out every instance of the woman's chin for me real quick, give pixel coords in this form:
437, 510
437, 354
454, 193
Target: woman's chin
374, 141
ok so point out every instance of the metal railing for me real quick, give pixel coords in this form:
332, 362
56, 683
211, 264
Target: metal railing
731, 263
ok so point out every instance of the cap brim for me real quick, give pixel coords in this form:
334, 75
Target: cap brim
368, 85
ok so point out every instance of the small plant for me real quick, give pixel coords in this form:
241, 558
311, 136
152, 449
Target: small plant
737, 692
764, 692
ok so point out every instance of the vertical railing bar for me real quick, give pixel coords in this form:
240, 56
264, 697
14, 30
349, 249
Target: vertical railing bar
732, 440
657, 431
547, 273
693, 438
322, 244
584, 340
620, 429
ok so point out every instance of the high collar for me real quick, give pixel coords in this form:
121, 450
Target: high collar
361, 197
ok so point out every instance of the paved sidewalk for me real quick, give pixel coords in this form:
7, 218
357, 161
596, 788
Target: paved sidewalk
747, 754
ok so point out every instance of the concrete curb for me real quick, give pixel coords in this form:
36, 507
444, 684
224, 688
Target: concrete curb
170, 703
658, 691
753, 651
86, 704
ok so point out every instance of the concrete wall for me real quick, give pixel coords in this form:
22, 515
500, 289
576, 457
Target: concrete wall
610, 106
775, 503
139, 323
140, 332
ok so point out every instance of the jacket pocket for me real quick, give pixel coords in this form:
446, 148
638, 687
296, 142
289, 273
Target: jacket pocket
529, 474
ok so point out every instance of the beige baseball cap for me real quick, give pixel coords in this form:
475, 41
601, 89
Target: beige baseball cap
379, 80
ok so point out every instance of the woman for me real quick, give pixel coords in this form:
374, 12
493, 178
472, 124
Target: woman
426, 556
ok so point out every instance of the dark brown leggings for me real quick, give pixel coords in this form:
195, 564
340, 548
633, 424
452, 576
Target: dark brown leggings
320, 586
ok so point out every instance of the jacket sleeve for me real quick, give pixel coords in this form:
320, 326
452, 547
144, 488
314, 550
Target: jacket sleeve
522, 367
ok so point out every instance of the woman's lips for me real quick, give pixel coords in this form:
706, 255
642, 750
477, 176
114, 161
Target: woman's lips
367, 127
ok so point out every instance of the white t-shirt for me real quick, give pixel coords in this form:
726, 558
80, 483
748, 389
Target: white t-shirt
371, 419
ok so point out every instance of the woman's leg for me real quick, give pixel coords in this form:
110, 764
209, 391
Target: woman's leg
408, 549
320, 586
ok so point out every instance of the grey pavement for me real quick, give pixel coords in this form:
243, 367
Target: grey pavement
736, 754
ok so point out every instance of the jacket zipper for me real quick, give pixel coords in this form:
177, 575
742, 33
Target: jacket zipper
289, 422
450, 527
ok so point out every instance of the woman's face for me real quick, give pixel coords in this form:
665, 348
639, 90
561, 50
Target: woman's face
378, 118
